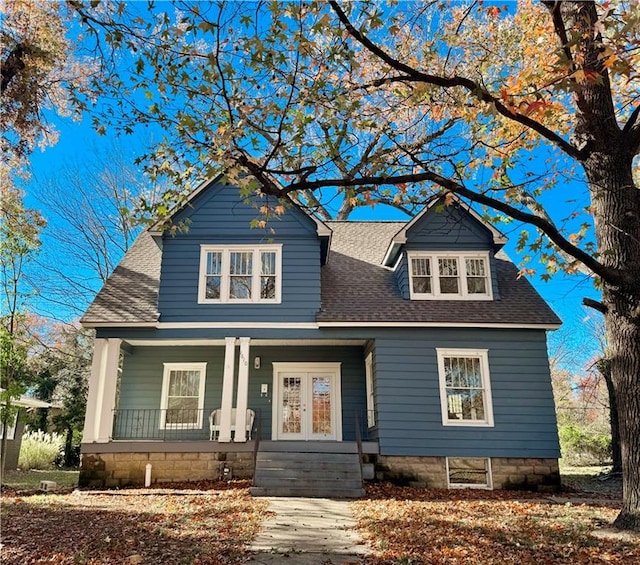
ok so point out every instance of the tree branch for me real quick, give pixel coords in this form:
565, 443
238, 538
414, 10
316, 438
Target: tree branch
12, 65
547, 227
631, 131
471, 86
595, 304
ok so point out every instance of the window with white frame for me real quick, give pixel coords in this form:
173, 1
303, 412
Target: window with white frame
183, 395
371, 406
238, 274
465, 390
461, 276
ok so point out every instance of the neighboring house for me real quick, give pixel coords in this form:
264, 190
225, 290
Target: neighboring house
16, 429
414, 347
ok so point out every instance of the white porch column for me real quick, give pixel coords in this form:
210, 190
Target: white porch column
101, 398
227, 389
243, 391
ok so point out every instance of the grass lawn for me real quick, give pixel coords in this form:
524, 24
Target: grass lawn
25, 480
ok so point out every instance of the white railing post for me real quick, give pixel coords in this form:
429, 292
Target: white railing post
243, 391
227, 389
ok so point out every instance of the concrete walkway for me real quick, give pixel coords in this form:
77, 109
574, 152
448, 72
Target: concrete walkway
308, 531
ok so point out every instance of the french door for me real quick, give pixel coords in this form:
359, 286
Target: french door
307, 401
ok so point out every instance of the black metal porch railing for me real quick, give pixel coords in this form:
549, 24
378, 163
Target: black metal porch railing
193, 424
161, 424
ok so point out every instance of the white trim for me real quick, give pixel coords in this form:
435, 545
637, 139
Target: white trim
225, 276
361, 324
336, 393
226, 401
101, 398
487, 486
483, 355
164, 401
242, 397
237, 325
160, 342
463, 289
371, 403
323, 324
119, 324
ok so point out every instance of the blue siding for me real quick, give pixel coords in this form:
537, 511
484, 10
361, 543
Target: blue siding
218, 216
450, 229
408, 414
141, 384
408, 403
402, 276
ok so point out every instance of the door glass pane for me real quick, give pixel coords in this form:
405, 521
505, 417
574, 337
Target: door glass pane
291, 409
321, 405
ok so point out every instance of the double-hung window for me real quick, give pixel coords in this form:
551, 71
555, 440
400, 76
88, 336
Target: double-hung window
183, 395
465, 390
240, 274
457, 276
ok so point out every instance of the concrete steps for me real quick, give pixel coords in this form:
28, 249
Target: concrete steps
313, 469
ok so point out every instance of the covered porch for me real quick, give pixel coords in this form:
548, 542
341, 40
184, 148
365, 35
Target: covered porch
247, 389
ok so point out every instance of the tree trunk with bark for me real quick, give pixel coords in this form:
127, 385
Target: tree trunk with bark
616, 203
604, 367
607, 154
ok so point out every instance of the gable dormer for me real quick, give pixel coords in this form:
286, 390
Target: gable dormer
447, 252
223, 270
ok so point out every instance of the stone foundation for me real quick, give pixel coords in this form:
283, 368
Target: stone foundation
507, 473
100, 470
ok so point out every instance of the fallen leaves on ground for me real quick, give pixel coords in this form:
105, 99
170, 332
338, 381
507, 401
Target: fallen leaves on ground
412, 526
174, 524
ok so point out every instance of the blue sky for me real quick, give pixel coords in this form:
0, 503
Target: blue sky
564, 293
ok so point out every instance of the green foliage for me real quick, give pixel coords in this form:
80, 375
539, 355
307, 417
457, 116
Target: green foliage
584, 446
40, 450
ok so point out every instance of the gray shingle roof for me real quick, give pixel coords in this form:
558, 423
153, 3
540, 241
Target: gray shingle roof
355, 287
130, 295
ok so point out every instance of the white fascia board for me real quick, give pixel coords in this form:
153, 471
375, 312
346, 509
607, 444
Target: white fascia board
437, 325
161, 342
237, 325
119, 324
391, 250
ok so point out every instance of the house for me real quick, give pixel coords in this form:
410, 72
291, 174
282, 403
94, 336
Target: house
16, 429
412, 348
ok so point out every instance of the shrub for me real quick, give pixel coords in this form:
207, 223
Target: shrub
39, 450
581, 446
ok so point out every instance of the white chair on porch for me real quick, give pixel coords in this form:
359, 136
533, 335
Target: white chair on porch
214, 423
